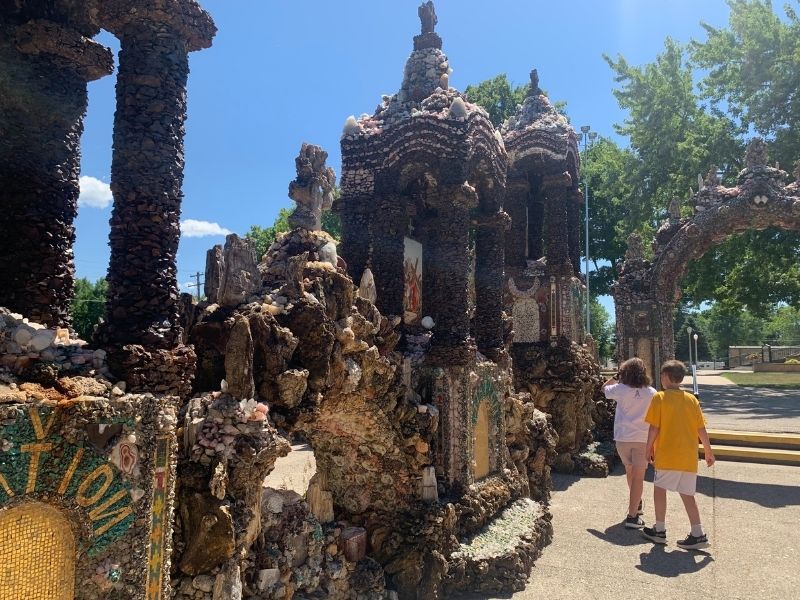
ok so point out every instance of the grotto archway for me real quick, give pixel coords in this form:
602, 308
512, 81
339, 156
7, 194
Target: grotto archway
646, 292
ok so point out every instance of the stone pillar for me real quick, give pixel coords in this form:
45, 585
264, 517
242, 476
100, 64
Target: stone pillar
354, 247
146, 178
147, 175
574, 229
556, 224
389, 224
446, 273
489, 279
516, 204
536, 224
43, 98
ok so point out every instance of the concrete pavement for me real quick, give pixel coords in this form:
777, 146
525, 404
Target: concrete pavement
729, 406
750, 513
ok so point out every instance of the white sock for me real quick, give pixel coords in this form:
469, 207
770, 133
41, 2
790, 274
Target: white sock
697, 530
660, 526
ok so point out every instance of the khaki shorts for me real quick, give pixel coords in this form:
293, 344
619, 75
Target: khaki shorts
632, 454
682, 482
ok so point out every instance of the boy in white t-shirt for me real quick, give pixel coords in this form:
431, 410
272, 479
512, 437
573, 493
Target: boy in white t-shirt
630, 387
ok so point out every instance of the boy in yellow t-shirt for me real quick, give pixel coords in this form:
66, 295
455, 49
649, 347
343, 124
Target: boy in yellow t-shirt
676, 422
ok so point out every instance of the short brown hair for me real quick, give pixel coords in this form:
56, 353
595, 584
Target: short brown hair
675, 370
633, 373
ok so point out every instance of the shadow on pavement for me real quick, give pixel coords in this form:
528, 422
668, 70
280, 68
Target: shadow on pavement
619, 535
760, 403
769, 495
673, 563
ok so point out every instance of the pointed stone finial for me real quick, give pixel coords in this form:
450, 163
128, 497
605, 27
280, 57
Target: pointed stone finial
756, 155
712, 178
635, 249
427, 17
534, 90
675, 209
700, 183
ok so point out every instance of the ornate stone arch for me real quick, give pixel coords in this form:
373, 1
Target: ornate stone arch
646, 292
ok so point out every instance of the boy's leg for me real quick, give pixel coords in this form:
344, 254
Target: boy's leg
660, 505
697, 539
692, 511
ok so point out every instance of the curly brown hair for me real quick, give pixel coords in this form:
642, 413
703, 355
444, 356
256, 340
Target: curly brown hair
633, 373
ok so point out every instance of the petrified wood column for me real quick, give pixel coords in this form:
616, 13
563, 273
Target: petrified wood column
489, 276
389, 225
574, 229
446, 272
516, 204
44, 67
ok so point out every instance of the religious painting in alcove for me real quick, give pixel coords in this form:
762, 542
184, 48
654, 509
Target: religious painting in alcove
412, 272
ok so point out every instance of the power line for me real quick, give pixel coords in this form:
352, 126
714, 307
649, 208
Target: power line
198, 284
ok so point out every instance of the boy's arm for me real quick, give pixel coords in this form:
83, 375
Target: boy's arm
652, 434
709, 454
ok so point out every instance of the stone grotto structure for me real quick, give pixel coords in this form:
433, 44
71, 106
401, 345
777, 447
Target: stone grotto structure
648, 290
553, 359
135, 470
88, 439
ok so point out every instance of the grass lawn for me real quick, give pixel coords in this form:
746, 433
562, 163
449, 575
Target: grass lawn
767, 380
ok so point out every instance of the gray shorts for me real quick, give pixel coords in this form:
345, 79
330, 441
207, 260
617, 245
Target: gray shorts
632, 454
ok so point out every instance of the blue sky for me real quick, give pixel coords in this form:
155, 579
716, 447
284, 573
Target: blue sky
283, 73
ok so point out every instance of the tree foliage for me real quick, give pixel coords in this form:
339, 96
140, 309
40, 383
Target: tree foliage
88, 306
691, 109
498, 97
264, 236
602, 330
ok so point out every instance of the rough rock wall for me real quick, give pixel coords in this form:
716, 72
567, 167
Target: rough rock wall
562, 381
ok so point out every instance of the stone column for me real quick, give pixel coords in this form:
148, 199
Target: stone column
147, 174
516, 204
536, 224
354, 247
556, 224
574, 229
446, 273
489, 279
43, 98
389, 224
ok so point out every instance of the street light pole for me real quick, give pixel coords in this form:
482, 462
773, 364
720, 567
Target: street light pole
695, 348
585, 134
689, 335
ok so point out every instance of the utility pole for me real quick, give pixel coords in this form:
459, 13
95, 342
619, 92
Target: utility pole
197, 284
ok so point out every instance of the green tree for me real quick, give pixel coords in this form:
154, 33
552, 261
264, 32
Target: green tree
725, 325
88, 306
684, 320
498, 97
752, 71
678, 129
602, 330
264, 236
783, 327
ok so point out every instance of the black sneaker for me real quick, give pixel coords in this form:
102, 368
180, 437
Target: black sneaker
659, 537
640, 510
634, 522
694, 542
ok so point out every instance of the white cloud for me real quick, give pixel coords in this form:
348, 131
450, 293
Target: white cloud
94, 193
195, 228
